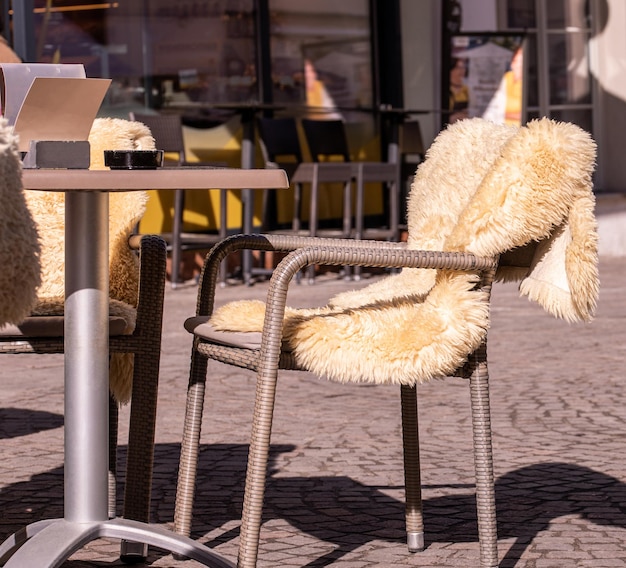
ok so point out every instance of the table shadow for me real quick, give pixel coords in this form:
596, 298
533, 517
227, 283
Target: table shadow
15, 422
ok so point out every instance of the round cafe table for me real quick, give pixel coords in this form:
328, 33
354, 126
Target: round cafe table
49, 543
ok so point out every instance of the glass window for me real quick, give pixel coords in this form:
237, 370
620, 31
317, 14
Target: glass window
321, 53
160, 51
568, 69
567, 14
156, 50
520, 14
205, 50
68, 32
558, 77
531, 77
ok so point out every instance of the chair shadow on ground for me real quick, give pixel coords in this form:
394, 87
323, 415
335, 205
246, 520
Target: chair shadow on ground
347, 514
15, 422
343, 512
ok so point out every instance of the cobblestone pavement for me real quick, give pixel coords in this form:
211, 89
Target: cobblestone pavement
335, 490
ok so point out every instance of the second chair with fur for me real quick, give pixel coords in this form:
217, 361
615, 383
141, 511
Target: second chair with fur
486, 189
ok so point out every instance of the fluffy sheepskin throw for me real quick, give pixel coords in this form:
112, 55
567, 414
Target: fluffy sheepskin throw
484, 188
125, 210
19, 245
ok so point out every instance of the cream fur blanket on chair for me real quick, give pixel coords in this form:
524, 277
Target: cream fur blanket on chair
20, 273
125, 210
483, 188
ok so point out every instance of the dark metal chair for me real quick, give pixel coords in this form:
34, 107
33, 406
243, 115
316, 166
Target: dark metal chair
412, 153
327, 139
280, 141
280, 144
167, 130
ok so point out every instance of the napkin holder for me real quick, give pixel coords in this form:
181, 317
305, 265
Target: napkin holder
67, 154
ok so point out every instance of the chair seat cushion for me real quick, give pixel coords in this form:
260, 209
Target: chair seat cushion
200, 327
52, 326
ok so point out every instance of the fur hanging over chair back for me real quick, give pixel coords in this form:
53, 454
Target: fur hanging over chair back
125, 211
19, 244
483, 188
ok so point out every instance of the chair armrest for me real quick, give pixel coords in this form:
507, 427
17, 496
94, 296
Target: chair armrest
376, 257
304, 251
369, 253
152, 270
279, 243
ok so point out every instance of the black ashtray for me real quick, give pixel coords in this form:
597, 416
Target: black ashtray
133, 159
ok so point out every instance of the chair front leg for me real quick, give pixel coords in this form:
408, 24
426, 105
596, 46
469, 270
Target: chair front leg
188, 467
412, 480
257, 468
113, 431
483, 458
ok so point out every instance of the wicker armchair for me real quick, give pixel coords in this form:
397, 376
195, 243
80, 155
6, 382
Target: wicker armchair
489, 202
137, 283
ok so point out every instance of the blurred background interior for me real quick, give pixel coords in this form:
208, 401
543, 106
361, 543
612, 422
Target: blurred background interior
375, 64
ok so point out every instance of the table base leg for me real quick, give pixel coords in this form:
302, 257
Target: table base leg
47, 544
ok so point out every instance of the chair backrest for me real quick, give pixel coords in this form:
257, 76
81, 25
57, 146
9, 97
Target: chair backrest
326, 138
526, 193
167, 130
279, 138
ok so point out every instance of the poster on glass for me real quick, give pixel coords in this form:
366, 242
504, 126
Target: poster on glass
485, 77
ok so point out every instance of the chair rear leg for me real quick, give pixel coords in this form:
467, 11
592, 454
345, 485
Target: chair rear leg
188, 467
412, 481
113, 430
140, 457
483, 459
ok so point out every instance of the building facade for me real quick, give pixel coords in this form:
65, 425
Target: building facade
347, 58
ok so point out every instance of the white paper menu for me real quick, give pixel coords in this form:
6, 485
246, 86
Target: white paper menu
16, 79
